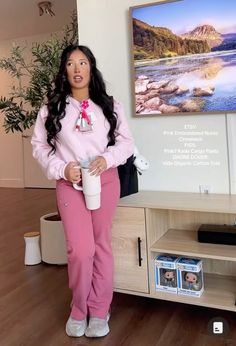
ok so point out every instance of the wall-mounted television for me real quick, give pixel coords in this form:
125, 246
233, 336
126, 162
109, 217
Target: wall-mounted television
184, 57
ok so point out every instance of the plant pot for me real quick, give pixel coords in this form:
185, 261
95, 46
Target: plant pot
53, 244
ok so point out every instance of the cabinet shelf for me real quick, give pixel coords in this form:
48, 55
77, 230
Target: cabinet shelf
166, 222
184, 243
220, 292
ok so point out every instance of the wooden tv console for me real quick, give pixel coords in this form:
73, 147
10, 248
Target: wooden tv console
151, 223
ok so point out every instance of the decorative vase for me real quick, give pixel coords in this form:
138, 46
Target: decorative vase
53, 244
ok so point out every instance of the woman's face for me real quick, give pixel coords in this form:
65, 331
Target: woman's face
78, 71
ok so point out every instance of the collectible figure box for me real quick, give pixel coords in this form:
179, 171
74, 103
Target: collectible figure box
190, 276
165, 273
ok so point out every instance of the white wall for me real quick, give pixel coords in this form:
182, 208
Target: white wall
231, 130
104, 27
11, 167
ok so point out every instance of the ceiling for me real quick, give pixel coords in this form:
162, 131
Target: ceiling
20, 18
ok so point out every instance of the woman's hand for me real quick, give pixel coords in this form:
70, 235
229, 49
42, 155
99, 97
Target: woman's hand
98, 166
72, 172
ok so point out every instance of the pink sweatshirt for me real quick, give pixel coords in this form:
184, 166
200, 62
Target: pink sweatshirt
76, 146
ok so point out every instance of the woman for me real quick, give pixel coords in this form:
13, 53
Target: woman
82, 123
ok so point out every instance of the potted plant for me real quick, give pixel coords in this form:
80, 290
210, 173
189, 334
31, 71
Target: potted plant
53, 244
20, 109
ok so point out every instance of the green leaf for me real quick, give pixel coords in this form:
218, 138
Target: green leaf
20, 109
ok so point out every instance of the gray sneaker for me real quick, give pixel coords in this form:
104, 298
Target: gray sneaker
97, 327
76, 328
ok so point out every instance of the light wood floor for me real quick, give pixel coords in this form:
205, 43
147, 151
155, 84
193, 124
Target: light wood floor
34, 300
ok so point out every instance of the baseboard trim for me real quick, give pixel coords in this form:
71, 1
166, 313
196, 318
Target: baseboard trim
18, 183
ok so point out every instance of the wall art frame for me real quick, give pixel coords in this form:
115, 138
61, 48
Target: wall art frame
183, 57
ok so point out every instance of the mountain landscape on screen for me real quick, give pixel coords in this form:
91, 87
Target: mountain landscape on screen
184, 57
215, 40
158, 42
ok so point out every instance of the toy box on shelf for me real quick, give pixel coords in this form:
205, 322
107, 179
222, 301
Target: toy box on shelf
165, 273
190, 276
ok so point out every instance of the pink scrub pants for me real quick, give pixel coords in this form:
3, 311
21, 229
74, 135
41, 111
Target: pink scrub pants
88, 242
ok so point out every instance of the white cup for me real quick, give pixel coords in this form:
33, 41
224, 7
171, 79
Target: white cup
91, 187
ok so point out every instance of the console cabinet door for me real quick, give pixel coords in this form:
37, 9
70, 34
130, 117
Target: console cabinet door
129, 245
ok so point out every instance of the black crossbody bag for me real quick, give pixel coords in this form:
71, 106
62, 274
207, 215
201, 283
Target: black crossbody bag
128, 175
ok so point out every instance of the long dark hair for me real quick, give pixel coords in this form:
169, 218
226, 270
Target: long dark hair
57, 97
